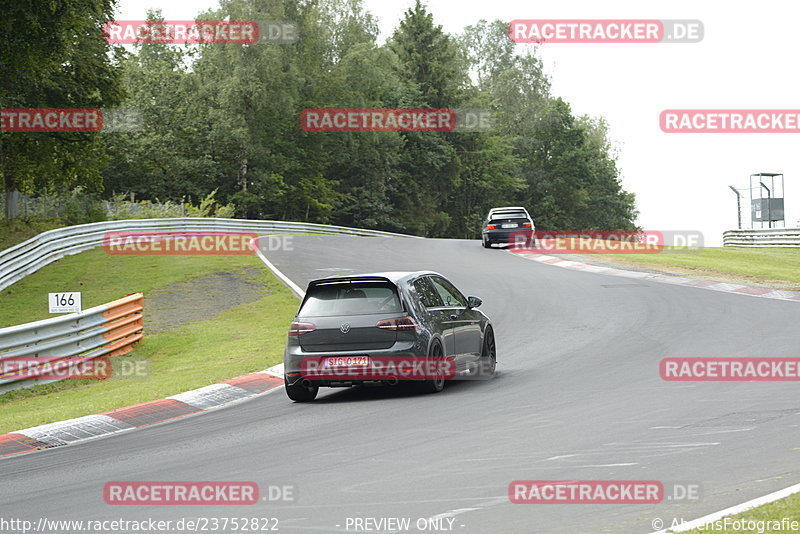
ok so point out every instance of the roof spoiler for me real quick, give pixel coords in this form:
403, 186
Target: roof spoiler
349, 279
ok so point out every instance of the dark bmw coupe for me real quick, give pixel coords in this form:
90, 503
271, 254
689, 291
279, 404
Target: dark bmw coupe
386, 328
512, 225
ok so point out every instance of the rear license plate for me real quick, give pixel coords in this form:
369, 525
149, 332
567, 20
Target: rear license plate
509, 225
346, 361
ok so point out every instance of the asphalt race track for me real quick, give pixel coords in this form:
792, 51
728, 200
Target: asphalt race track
577, 396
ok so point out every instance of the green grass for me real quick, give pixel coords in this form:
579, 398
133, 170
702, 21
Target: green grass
758, 265
102, 277
15, 231
788, 508
238, 341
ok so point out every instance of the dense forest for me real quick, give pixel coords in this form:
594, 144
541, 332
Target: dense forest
226, 118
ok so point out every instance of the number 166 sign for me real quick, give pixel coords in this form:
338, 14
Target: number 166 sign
68, 302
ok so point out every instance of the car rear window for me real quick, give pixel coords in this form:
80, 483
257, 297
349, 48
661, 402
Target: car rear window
509, 215
356, 298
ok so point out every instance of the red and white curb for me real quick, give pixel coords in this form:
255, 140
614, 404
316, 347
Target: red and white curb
141, 415
129, 418
714, 285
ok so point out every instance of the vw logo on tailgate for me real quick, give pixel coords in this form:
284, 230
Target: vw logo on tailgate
345, 328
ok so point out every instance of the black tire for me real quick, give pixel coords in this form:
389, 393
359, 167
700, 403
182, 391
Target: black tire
488, 362
436, 385
298, 393
486, 243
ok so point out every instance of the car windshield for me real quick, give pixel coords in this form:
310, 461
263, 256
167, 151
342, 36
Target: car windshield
351, 298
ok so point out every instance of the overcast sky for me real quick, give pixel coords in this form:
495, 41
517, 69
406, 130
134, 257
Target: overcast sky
746, 61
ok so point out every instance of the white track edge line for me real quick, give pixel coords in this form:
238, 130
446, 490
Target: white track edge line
733, 510
283, 278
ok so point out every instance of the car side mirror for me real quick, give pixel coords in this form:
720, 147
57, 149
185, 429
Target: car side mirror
473, 302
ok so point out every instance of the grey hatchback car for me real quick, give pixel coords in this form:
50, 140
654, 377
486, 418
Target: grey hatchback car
348, 327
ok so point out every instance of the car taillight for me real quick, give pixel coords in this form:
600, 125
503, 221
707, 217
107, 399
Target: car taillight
401, 323
527, 225
491, 227
298, 329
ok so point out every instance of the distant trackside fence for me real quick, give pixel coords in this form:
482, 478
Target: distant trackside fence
772, 237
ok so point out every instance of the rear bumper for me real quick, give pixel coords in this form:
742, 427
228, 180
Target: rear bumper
508, 235
339, 384
294, 357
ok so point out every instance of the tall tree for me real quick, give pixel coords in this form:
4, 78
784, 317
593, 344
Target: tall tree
54, 55
428, 61
169, 158
228, 120
428, 57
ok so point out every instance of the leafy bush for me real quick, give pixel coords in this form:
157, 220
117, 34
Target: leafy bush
120, 208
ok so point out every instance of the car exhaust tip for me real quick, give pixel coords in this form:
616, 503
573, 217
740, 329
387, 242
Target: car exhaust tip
306, 384
393, 381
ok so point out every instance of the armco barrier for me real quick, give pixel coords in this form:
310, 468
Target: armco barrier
21, 260
54, 348
771, 237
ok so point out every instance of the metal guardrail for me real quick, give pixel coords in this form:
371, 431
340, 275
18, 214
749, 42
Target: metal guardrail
55, 349
772, 237
21, 260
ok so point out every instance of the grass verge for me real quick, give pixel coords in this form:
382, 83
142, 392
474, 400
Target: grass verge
15, 231
779, 267
239, 340
765, 517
